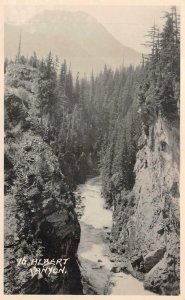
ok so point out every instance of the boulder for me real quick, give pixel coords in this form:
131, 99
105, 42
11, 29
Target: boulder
153, 257
115, 269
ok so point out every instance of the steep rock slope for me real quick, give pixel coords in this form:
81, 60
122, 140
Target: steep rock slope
40, 221
146, 220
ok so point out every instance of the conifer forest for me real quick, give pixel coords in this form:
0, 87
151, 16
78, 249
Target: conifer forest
75, 141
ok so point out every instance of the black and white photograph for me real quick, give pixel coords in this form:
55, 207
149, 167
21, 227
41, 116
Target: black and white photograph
92, 148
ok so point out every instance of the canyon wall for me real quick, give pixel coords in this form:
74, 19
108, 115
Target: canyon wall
40, 220
146, 222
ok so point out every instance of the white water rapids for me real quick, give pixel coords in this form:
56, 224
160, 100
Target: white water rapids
94, 249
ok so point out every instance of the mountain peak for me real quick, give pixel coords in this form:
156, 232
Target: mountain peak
62, 16
73, 35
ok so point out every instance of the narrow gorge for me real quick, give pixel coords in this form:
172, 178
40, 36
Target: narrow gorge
91, 181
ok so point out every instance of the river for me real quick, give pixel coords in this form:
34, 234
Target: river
93, 251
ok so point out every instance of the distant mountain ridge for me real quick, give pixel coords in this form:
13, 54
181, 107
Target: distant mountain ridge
75, 36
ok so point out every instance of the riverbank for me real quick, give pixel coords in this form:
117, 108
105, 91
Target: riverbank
99, 273
93, 249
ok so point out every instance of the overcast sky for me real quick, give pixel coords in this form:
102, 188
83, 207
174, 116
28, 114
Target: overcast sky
128, 24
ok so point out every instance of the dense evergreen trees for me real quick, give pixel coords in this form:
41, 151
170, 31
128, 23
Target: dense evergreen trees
159, 91
94, 122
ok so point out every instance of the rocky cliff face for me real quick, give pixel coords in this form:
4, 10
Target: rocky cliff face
146, 225
40, 220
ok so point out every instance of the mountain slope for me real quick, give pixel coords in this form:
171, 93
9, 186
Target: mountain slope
75, 36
